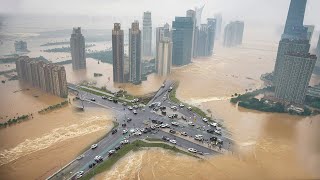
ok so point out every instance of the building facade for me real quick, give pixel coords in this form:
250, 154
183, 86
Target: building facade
218, 18
203, 41
147, 34
318, 52
182, 32
118, 54
294, 28
212, 29
135, 53
192, 14
294, 65
164, 57
233, 34
45, 76
161, 33
78, 53
310, 30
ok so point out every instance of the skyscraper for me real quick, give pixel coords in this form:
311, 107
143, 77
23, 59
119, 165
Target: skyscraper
182, 32
294, 28
192, 14
198, 12
147, 34
78, 53
135, 53
212, 29
203, 41
161, 32
294, 65
164, 57
218, 18
118, 54
233, 34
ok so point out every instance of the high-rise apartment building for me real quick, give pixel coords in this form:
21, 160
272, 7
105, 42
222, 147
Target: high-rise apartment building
212, 29
203, 41
118, 54
164, 57
218, 18
147, 34
294, 65
161, 33
182, 32
135, 53
233, 34
78, 53
193, 15
46, 76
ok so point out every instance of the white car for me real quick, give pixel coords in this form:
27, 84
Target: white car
124, 131
181, 105
218, 128
162, 85
217, 132
172, 141
78, 176
189, 108
124, 141
184, 134
110, 99
132, 130
213, 124
198, 137
130, 108
192, 150
174, 107
80, 173
98, 158
190, 123
135, 112
138, 133
80, 157
205, 120
93, 146
164, 125
175, 123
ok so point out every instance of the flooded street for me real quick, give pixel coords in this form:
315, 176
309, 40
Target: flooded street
271, 145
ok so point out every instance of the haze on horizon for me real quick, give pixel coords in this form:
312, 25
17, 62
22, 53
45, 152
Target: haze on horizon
264, 12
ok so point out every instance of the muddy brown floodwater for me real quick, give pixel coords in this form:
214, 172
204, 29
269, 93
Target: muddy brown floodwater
38, 147
271, 145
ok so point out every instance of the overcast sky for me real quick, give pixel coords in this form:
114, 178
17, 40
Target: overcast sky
268, 11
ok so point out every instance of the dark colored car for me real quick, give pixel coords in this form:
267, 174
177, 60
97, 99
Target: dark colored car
115, 100
163, 112
165, 138
114, 131
211, 131
91, 165
124, 125
129, 119
163, 108
118, 148
172, 131
213, 138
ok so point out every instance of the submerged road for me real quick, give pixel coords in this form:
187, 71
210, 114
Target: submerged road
142, 119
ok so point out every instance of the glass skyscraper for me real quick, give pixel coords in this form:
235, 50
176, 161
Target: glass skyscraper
182, 33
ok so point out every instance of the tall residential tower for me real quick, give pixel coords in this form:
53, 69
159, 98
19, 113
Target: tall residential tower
78, 53
118, 54
135, 53
147, 34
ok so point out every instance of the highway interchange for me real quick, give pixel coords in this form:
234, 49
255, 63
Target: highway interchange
143, 119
